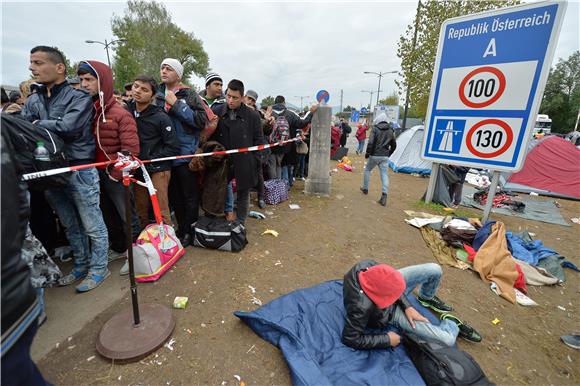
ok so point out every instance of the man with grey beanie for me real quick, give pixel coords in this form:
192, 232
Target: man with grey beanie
188, 116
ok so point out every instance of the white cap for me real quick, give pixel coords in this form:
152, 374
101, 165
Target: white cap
175, 64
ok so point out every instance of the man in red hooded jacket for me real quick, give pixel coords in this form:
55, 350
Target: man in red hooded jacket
115, 131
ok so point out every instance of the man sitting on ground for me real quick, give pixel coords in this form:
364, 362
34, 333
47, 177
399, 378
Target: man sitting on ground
375, 296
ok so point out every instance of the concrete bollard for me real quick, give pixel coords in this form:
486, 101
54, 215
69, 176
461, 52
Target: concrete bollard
318, 181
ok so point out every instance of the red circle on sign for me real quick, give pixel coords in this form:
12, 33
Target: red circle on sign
503, 125
493, 70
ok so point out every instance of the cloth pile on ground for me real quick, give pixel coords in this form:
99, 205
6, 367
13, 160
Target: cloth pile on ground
501, 200
306, 325
508, 261
538, 210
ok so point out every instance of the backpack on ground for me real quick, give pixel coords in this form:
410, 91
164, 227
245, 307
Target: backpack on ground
441, 365
280, 130
275, 191
154, 253
219, 233
25, 137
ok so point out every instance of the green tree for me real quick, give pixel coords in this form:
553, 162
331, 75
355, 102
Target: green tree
348, 108
390, 100
417, 64
267, 101
561, 100
149, 36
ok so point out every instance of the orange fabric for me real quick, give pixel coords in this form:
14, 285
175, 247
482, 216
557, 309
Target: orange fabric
494, 262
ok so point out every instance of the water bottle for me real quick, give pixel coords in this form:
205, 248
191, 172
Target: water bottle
41, 153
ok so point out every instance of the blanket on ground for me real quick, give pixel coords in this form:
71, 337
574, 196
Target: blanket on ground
307, 326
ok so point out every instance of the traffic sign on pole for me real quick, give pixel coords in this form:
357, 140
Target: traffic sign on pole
489, 78
322, 96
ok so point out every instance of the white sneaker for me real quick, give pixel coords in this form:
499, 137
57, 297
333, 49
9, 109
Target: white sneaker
113, 255
124, 269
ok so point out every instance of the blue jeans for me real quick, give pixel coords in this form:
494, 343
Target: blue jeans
288, 174
428, 276
77, 207
229, 207
361, 146
383, 164
301, 165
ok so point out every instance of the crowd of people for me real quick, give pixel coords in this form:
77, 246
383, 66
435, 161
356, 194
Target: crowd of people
149, 121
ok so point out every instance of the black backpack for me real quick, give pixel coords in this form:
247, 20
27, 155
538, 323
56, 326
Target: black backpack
441, 365
24, 136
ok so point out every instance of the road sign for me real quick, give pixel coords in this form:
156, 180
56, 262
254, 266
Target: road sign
489, 78
364, 110
322, 96
392, 112
354, 116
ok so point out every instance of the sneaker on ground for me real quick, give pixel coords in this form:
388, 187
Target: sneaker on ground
465, 330
92, 281
124, 269
114, 255
72, 277
435, 304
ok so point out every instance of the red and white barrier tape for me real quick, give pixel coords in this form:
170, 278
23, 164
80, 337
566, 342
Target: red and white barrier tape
52, 172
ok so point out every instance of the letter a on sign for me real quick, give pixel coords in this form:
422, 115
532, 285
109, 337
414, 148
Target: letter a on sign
490, 50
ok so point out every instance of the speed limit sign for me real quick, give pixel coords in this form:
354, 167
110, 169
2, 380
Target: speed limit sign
489, 138
489, 77
482, 87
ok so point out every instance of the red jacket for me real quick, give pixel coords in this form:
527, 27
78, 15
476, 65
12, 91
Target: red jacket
115, 129
361, 133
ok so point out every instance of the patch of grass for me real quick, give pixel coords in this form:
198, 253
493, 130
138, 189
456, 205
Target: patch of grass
439, 209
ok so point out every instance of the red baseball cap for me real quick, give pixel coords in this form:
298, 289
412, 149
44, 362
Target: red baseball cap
383, 284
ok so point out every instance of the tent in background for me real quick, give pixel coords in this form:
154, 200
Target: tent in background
551, 168
407, 156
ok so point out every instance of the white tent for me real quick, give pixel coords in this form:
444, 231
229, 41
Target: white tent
407, 156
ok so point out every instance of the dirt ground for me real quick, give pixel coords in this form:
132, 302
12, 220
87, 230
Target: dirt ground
319, 242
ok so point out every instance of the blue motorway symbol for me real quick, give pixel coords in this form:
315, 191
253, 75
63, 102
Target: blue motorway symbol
448, 135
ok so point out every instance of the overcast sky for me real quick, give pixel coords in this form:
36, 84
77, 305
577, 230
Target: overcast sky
292, 49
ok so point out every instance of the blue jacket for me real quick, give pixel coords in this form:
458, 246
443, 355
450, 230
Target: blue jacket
188, 118
69, 114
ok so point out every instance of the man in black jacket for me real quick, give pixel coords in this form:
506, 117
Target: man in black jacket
239, 126
189, 118
68, 113
157, 139
375, 296
20, 306
381, 145
296, 124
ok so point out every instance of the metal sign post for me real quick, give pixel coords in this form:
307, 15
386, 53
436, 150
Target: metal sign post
490, 196
489, 78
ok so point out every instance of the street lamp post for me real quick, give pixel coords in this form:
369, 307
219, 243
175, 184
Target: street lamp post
371, 93
380, 75
106, 44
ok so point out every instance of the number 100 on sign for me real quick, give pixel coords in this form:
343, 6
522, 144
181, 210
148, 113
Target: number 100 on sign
504, 86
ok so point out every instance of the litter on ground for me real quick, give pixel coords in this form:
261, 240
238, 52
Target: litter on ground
270, 232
